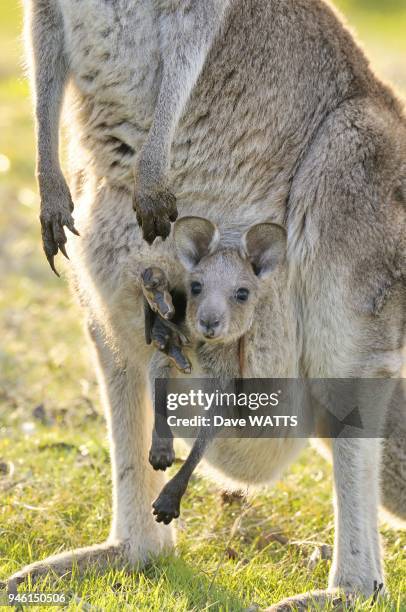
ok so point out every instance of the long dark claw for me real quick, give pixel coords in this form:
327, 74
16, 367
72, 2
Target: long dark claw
162, 228
62, 248
50, 259
50, 246
56, 218
148, 230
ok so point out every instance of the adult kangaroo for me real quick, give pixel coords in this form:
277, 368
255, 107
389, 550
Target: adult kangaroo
266, 110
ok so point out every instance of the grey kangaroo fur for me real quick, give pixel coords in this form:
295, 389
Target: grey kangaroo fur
242, 111
224, 290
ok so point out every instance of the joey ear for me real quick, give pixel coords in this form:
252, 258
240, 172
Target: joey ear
194, 238
264, 245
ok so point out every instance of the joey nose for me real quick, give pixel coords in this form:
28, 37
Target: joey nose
209, 327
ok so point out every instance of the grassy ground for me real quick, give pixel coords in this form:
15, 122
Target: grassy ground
54, 466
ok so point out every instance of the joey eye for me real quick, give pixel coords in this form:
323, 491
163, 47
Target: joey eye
242, 294
196, 288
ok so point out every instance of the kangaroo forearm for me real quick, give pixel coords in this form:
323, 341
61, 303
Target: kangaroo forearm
187, 34
187, 30
48, 109
50, 71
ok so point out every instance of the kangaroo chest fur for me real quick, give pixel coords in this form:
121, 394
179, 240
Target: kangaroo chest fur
226, 148
114, 56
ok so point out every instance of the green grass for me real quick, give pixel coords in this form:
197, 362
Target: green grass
56, 493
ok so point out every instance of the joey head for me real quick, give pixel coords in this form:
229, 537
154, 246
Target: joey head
224, 284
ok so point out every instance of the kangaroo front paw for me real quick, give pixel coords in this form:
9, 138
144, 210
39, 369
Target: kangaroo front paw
155, 210
56, 214
161, 455
166, 507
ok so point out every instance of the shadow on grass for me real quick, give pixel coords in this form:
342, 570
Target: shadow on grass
200, 590
166, 583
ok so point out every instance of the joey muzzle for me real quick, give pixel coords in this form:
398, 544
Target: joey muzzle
211, 324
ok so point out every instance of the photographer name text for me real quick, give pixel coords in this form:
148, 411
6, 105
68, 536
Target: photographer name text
220, 421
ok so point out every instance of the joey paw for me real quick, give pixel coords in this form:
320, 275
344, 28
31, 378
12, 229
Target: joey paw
155, 287
179, 360
155, 210
166, 507
56, 214
162, 456
166, 336
169, 339
171, 342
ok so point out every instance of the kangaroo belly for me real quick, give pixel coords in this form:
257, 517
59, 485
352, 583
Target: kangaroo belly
236, 462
